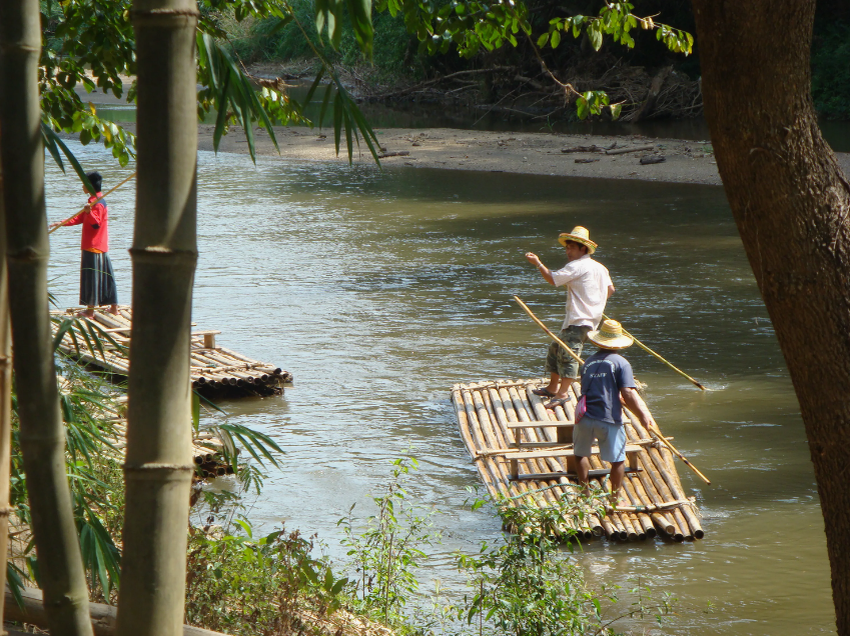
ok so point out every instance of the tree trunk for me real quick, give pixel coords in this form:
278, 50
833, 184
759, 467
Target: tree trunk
158, 468
791, 203
42, 433
5, 395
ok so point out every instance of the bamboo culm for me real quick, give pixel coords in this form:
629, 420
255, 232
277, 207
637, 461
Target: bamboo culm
42, 434
158, 469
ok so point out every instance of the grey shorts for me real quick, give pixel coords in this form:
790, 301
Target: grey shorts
611, 438
559, 361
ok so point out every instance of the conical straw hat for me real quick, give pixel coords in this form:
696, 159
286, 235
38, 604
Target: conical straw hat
610, 336
579, 235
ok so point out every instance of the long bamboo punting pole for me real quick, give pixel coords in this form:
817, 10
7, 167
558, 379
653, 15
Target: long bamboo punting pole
651, 352
89, 206
546, 329
672, 448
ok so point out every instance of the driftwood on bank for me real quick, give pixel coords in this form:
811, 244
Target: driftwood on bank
652, 94
102, 616
400, 153
622, 151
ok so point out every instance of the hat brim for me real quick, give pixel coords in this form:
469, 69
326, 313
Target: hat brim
590, 245
601, 339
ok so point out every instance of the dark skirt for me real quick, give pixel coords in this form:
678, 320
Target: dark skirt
97, 282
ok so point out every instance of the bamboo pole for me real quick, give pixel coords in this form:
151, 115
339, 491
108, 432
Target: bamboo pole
89, 206
5, 394
546, 329
102, 616
669, 444
158, 469
27, 249
651, 352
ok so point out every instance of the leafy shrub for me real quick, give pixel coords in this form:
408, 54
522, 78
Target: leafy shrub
269, 586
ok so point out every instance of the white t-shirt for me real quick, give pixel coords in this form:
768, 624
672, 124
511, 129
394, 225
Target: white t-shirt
587, 291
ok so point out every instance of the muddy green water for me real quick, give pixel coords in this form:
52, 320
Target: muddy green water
379, 290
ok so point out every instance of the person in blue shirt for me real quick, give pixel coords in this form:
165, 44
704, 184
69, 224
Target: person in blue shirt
606, 379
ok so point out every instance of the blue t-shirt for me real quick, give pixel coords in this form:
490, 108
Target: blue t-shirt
602, 376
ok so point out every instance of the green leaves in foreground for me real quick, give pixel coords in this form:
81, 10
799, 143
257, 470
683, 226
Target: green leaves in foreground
346, 116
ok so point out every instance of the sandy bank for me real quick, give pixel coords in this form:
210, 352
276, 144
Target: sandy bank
523, 153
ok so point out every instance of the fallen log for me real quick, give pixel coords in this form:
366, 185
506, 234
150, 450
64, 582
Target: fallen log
593, 148
401, 153
622, 151
103, 617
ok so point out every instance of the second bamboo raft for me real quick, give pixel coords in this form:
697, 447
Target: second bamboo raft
216, 372
517, 452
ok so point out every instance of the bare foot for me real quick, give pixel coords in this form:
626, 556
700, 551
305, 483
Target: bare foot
88, 313
113, 309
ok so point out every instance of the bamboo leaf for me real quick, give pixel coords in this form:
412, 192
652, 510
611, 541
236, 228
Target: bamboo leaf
48, 132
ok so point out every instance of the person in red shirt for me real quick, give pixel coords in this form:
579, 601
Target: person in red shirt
97, 280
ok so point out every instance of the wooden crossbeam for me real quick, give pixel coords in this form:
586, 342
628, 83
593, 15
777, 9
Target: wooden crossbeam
591, 474
540, 424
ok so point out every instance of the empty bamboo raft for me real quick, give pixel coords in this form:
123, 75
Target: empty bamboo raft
216, 372
514, 444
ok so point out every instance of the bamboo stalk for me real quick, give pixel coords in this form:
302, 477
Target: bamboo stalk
669, 445
158, 468
651, 352
91, 205
27, 249
546, 329
5, 394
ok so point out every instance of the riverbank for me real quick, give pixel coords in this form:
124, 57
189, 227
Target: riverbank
521, 153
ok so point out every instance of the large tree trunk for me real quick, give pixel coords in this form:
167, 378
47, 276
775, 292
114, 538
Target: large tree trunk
158, 469
42, 433
791, 203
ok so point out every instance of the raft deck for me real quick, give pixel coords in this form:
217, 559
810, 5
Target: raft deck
216, 372
524, 455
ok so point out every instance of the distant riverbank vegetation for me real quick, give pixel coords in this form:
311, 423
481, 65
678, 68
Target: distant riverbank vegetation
650, 80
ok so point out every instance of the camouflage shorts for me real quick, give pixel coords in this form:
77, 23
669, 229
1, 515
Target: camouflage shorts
559, 361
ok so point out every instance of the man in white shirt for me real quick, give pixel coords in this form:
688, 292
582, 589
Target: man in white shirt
588, 288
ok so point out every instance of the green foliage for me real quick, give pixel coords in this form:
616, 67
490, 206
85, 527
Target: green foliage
528, 584
387, 552
90, 43
831, 70
95, 476
257, 587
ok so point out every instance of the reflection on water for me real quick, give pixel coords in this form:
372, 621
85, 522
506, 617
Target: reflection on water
380, 289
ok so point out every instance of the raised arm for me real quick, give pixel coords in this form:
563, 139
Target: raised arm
544, 271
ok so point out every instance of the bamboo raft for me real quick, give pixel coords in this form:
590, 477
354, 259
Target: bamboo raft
524, 455
216, 372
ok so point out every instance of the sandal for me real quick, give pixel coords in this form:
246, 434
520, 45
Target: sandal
544, 392
551, 404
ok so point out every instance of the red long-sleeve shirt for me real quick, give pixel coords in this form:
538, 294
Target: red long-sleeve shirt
95, 232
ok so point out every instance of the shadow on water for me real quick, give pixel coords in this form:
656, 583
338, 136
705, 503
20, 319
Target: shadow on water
381, 289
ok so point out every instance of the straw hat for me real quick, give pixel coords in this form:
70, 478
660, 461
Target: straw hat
579, 235
610, 336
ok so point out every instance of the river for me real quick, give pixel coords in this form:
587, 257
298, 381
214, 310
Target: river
380, 289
